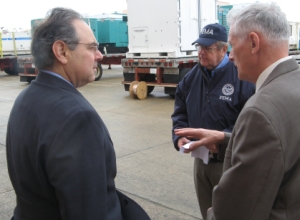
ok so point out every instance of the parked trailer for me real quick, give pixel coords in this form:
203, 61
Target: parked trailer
160, 38
13, 44
28, 72
110, 30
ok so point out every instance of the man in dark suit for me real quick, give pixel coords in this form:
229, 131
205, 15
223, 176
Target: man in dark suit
60, 156
262, 163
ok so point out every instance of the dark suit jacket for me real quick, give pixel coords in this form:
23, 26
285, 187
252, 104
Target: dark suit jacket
60, 157
261, 176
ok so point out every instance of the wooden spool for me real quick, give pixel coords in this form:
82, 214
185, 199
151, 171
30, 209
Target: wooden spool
138, 89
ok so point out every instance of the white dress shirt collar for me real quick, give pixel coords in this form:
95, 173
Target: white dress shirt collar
264, 75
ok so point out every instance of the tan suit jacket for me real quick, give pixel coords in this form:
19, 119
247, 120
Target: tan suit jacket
261, 176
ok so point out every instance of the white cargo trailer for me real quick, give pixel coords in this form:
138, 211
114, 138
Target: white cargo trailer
294, 37
13, 44
16, 43
160, 34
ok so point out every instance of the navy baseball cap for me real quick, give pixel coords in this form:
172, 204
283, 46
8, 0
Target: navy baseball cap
210, 34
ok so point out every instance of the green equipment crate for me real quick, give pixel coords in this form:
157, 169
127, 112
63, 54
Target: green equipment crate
222, 13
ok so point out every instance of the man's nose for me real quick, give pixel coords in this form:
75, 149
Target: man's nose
99, 55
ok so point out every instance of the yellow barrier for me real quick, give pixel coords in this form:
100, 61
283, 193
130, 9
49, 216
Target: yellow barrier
14, 44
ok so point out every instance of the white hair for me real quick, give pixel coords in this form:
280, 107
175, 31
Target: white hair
264, 18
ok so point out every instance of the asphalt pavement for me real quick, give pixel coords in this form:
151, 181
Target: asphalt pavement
150, 170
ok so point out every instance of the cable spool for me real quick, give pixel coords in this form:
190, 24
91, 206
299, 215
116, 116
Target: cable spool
138, 89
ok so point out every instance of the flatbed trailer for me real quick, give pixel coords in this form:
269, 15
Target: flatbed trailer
142, 75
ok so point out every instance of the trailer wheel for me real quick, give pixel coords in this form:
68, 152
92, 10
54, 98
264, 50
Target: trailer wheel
150, 89
148, 78
98, 73
170, 91
126, 87
27, 78
14, 70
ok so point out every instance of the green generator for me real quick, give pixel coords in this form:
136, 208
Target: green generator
111, 33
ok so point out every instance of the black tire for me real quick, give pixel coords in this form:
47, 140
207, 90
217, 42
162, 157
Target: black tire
183, 72
148, 78
27, 78
30, 79
126, 87
128, 77
98, 73
14, 71
150, 89
170, 91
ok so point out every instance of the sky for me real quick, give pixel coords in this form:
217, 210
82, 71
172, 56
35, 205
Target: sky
19, 13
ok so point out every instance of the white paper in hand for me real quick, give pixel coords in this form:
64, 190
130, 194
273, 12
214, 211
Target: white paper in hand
186, 146
200, 152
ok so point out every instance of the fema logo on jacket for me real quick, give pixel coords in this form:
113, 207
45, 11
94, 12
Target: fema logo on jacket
227, 90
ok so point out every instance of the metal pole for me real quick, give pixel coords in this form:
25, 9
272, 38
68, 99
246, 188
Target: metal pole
14, 42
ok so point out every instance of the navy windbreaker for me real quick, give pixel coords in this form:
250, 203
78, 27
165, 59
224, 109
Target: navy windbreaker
212, 105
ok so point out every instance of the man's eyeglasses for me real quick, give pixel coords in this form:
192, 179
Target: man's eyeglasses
93, 46
204, 48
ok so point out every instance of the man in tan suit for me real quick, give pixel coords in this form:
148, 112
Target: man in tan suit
261, 176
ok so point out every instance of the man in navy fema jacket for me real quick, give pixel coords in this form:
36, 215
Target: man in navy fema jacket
210, 96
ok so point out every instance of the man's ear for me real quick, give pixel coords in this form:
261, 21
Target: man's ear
60, 51
254, 41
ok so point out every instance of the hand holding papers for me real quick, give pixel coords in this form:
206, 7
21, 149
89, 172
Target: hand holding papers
200, 152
